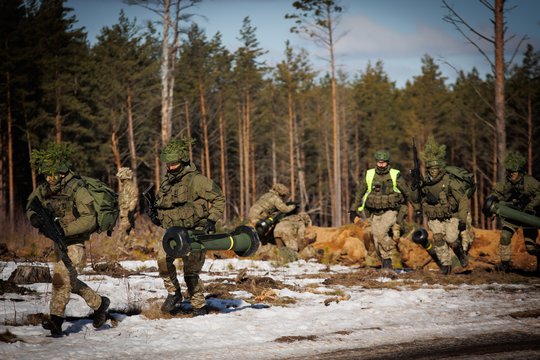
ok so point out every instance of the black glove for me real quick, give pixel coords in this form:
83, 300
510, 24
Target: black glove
352, 216
210, 226
462, 226
36, 221
418, 217
154, 218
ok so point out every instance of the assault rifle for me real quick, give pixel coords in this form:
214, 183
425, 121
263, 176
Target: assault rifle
51, 229
150, 197
416, 175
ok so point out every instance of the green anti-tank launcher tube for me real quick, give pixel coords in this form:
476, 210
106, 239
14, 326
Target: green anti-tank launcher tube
178, 242
492, 206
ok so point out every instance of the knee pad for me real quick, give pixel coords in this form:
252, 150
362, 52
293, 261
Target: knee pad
438, 240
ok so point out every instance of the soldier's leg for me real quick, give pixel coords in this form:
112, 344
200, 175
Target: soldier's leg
193, 264
286, 233
467, 236
167, 271
454, 241
78, 257
384, 244
505, 251
531, 246
439, 244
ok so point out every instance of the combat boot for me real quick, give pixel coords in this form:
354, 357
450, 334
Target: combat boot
171, 300
200, 311
504, 266
386, 264
100, 315
54, 324
446, 269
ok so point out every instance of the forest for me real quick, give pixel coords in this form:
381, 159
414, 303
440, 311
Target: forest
118, 101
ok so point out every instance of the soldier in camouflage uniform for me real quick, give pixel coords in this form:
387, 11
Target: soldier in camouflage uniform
187, 199
64, 194
445, 205
521, 192
269, 205
383, 195
127, 202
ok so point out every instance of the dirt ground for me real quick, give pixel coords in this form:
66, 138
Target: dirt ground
352, 244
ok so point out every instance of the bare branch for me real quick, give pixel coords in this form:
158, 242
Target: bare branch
455, 19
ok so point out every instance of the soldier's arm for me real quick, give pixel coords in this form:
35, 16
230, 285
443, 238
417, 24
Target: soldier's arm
362, 188
463, 203
208, 190
30, 212
534, 186
282, 206
134, 197
499, 191
86, 222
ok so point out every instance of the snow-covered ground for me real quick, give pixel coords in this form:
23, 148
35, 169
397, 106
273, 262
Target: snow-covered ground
363, 317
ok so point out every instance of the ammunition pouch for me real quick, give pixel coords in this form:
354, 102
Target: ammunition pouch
437, 211
384, 202
182, 216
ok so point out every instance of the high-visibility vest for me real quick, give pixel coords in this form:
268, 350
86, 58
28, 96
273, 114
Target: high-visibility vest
370, 175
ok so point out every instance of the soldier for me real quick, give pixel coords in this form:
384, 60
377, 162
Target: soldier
445, 205
268, 206
127, 202
521, 192
65, 196
383, 195
190, 200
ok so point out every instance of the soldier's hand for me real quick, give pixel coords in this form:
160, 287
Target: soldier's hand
36, 221
462, 226
154, 218
210, 226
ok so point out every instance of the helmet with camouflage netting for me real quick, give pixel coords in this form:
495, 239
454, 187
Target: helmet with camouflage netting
124, 173
434, 154
514, 161
56, 159
280, 189
177, 150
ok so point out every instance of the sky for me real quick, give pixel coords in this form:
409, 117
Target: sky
397, 32
323, 317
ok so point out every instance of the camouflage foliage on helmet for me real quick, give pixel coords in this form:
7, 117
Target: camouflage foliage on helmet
124, 173
514, 161
434, 154
281, 189
53, 160
177, 150
382, 155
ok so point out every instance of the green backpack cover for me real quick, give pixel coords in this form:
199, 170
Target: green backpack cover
105, 204
464, 177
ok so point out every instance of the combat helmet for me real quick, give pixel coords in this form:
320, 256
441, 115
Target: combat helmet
434, 154
514, 161
280, 189
382, 155
56, 159
177, 150
124, 173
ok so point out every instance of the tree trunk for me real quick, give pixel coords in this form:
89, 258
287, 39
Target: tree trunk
10, 154
156, 164
58, 111
529, 135
204, 126
241, 158
32, 170
131, 139
499, 86
291, 142
116, 152
474, 171
188, 129
223, 163
274, 156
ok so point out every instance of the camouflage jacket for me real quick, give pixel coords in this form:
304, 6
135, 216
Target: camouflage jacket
72, 204
187, 199
442, 199
128, 197
523, 195
268, 204
385, 198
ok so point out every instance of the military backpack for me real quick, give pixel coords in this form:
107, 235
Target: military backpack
464, 178
105, 203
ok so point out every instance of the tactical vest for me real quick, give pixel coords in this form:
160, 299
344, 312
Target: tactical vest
378, 201
445, 205
178, 206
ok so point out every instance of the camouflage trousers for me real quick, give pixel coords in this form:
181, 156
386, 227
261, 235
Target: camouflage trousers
505, 241
381, 226
445, 234
65, 281
192, 265
290, 232
467, 235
